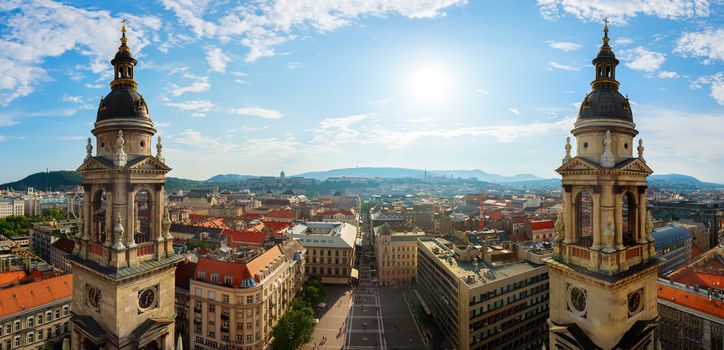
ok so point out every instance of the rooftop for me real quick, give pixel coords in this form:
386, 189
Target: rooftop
690, 298
669, 235
27, 296
475, 273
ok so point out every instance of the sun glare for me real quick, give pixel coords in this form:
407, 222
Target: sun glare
430, 83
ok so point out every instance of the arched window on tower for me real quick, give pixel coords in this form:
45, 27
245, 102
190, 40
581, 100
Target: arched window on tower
599, 72
129, 72
608, 71
99, 216
584, 219
143, 217
629, 218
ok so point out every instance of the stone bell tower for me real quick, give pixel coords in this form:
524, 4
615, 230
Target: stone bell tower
603, 273
123, 262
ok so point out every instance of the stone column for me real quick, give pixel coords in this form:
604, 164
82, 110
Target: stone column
158, 213
618, 206
596, 218
568, 215
131, 218
641, 216
109, 218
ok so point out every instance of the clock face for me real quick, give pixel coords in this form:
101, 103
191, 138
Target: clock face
635, 301
147, 298
578, 299
94, 296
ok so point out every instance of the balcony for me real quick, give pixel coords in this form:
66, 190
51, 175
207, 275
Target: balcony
197, 308
197, 321
225, 329
224, 316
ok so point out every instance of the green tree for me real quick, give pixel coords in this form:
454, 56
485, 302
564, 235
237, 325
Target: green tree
314, 292
198, 244
294, 329
53, 213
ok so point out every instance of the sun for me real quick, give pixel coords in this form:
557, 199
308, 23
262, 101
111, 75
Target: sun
430, 83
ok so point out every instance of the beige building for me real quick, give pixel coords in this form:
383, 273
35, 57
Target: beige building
481, 305
36, 313
603, 273
396, 254
123, 260
11, 207
236, 304
330, 250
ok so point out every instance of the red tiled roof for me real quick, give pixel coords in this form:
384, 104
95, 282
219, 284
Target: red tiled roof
257, 264
197, 217
27, 296
184, 272
237, 271
279, 213
494, 215
542, 224
237, 237
691, 300
275, 226
694, 277
8, 277
346, 212
251, 216
519, 219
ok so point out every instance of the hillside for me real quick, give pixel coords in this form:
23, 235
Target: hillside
66, 179
229, 178
56, 180
395, 173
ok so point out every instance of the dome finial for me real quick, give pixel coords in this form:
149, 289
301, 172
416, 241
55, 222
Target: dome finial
605, 31
123, 29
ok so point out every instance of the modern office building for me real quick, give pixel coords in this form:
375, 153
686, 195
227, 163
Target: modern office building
483, 305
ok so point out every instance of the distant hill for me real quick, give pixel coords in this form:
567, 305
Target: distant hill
393, 173
229, 178
66, 179
666, 180
56, 180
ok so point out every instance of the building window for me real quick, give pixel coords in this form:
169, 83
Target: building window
57, 314
39, 318
31, 338
65, 310
17, 342
30, 321
201, 276
228, 280
17, 326
225, 298
250, 299
40, 334
214, 277
212, 334
249, 338
212, 308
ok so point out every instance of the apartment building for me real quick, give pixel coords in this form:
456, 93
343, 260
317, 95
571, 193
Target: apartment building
10, 207
396, 254
35, 313
44, 234
673, 243
235, 304
330, 250
483, 305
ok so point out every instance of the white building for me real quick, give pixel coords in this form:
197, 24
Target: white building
11, 207
330, 250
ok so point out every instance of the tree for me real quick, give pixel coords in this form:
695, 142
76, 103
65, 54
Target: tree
314, 292
294, 329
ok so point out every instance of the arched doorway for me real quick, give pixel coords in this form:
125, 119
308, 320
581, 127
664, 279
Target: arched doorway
99, 206
142, 215
584, 219
629, 218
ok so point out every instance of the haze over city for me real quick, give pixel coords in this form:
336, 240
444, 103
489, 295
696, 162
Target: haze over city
265, 86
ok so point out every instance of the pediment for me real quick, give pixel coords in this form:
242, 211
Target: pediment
92, 164
149, 163
635, 164
578, 164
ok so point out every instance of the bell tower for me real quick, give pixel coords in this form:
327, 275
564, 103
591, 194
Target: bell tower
604, 269
123, 261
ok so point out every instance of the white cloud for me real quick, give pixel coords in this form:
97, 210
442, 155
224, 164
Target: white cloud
198, 140
566, 46
7, 120
257, 112
37, 30
419, 120
716, 83
708, 44
199, 108
618, 12
198, 84
262, 25
556, 65
381, 102
667, 75
338, 130
622, 41
217, 59
643, 60
294, 65
514, 111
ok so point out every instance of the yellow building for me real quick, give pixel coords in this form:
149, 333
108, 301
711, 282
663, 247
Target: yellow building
603, 275
396, 254
236, 304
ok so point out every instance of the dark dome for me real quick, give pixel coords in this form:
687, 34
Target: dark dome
123, 55
605, 103
122, 103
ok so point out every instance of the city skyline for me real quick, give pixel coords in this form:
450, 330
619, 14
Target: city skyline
439, 85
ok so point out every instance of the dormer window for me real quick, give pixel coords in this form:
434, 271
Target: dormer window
214, 277
228, 280
201, 276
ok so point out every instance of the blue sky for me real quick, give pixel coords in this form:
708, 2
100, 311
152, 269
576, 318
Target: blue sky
257, 87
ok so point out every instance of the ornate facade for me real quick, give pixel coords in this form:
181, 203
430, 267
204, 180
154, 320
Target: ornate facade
603, 272
123, 259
